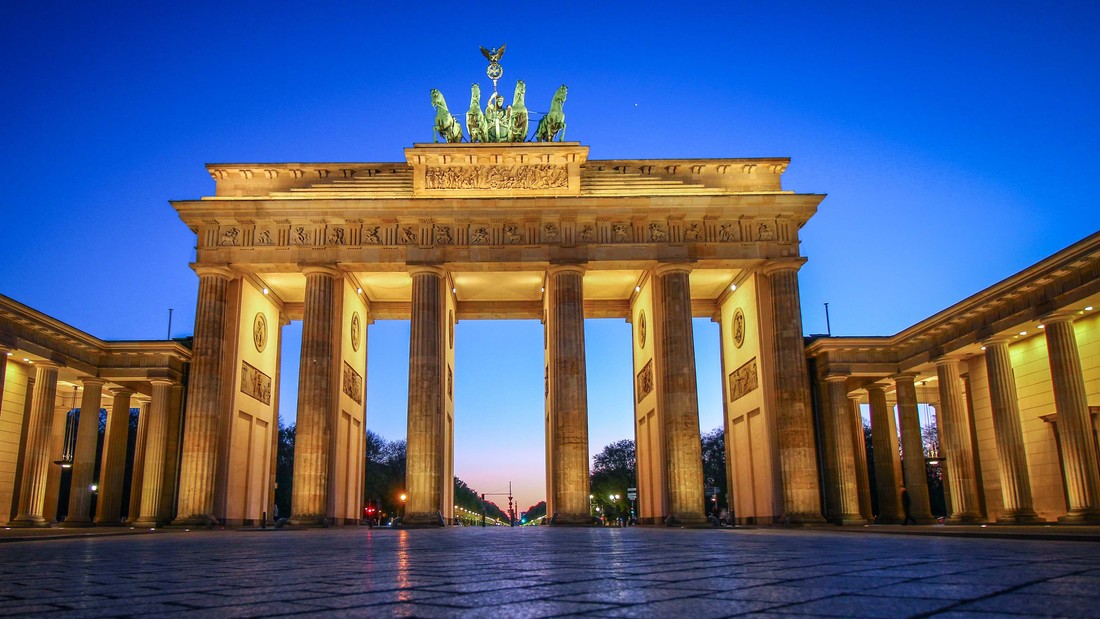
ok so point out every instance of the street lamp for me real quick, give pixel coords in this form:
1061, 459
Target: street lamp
403, 497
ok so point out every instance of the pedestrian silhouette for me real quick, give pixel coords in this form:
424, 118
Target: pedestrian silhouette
906, 504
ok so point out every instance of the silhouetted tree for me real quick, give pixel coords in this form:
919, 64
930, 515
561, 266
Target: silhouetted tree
714, 465
284, 471
613, 471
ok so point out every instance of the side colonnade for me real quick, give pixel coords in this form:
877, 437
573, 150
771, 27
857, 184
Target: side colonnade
1011, 394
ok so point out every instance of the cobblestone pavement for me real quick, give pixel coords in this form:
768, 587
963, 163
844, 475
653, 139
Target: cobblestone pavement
538, 572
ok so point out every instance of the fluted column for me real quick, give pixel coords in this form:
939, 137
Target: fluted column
316, 397
202, 420
112, 471
956, 434
152, 476
845, 510
138, 468
679, 395
427, 359
912, 447
884, 439
36, 454
1079, 458
797, 451
859, 446
87, 435
569, 393
1011, 457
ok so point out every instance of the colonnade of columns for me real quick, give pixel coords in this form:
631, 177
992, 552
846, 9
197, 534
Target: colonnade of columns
962, 478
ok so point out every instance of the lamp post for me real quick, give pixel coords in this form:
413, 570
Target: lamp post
403, 497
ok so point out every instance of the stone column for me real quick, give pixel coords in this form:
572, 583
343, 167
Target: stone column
956, 434
1079, 458
427, 359
36, 454
797, 452
884, 439
87, 435
912, 447
138, 468
679, 396
838, 425
859, 447
152, 476
202, 419
568, 393
112, 471
316, 396
1015, 481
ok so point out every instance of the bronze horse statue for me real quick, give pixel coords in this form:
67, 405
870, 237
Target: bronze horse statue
475, 118
519, 114
554, 121
446, 125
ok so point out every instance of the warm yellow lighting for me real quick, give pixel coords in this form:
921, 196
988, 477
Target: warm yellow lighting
403, 497
983, 347
543, 289
358, 291
733, 287
9, 354
454, 290
1088, 308
1042, 326
637, 289
1023, 332
265, 291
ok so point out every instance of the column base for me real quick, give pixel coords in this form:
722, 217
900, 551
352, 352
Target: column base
77, 523
688, 519
196, 520
29, 522
800, 519
146, 523
1081, 517
572, 520
965, 518
848, 520
426, 520
1021, 517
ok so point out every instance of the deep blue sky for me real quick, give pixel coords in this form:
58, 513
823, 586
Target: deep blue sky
957, 143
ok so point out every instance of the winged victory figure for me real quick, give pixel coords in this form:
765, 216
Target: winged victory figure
494, 54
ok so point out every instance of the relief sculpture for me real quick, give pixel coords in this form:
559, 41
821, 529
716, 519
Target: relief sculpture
743, 380
353, 384
255, 383
645, 381
497, 177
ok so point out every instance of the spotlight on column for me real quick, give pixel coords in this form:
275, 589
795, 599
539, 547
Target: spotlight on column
265, 291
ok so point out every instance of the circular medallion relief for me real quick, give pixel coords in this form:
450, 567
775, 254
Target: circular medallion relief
451, 328
641, 329
738, 327
356, 331
259, 331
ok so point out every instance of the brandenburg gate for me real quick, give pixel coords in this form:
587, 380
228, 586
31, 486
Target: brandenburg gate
482, 231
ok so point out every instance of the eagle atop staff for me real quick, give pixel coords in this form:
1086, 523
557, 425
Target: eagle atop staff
494, 54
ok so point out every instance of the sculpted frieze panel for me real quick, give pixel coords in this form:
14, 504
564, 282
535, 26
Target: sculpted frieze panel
495, 177
352, 384
255, 383
743, 380
230, 236
644, 383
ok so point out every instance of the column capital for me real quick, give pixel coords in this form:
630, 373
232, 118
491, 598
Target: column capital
876, 387
856, 396
1062, 315
162, 382
664, 268
905, 377
212, 270
92, 381
431, 269
572, 267
122, 391
319, 269
996, 340
946, 360
833, 377
784, 264
47, 363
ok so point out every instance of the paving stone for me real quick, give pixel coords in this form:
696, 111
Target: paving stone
546, 572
